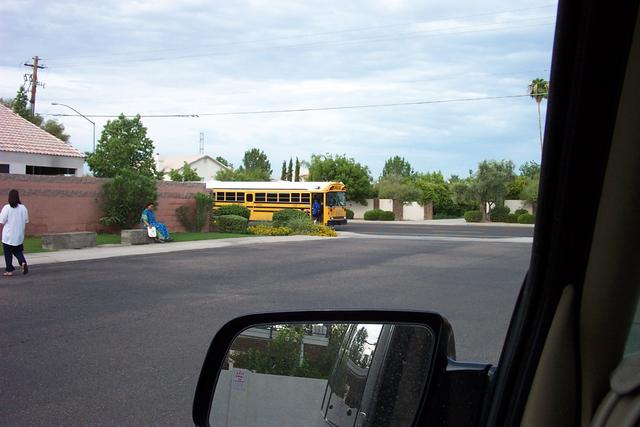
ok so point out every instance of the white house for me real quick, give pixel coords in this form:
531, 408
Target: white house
27, 149
206, 166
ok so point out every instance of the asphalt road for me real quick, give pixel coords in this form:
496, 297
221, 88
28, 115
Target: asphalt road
407, 229
120, 341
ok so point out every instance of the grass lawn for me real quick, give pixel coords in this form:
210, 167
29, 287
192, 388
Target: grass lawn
33, 244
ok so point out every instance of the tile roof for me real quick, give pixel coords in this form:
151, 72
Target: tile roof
21, 136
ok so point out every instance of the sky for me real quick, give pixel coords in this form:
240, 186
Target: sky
205, 59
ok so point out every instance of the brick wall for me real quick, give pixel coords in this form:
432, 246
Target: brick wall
59, 204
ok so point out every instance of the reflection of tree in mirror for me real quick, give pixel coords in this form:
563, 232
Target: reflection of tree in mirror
356, 349
284, 354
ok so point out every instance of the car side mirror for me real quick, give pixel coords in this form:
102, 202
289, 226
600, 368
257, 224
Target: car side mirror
339, 368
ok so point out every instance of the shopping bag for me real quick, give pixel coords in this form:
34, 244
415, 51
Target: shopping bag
151, 231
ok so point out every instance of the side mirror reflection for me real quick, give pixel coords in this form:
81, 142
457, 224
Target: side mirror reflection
319, 374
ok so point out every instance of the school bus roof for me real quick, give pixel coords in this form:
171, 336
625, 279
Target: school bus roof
273, 185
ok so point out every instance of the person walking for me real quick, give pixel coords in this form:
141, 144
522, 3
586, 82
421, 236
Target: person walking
316, 209
14, 217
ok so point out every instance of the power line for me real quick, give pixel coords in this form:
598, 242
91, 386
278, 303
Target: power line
305, 110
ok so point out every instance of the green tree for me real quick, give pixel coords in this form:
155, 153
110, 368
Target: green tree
515, 187
255, 161
290, 170
125, 197
397, 166
123, 145
224, 161
530, 192
355, 176
530, 169
539, 90
20, 104
398, 188
56, 129
435, 189
184, 174
491, 183
283, 174
296, 176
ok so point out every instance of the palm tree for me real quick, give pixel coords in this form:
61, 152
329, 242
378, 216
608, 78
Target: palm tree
539, 90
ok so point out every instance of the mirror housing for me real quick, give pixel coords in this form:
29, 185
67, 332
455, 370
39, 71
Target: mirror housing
452, 394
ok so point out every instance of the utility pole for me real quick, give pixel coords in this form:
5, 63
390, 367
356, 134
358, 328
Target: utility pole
34, 82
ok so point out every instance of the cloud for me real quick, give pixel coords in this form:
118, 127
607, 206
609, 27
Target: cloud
195, 57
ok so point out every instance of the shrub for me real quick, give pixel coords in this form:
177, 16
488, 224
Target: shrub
521, 211
185, 216
511, 218
232, 224
473, 216
323, 230
281, 218
349, 214
124, 198
387, 216
527, 218
204, 203
499, 214
267, 230
299, 225
232, 210
444, 215
372, 215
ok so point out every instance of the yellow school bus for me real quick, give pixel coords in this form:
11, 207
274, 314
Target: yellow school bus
265, 198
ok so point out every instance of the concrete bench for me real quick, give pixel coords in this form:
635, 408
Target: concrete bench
75, 240
136, 236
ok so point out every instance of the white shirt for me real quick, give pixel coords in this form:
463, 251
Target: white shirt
14, 220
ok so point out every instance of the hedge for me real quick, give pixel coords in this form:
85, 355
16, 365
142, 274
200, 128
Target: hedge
499, 214
267, 230
527, 218
511, 218
521, 211
281, 218
473, 216
232, 224
350, 214
232, 210
379, 215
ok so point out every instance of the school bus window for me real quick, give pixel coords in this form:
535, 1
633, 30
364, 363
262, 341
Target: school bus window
249, 197
283, 198
231, 197
220, 196
260, 197
240, 197
272, 197
305, 198
295, 197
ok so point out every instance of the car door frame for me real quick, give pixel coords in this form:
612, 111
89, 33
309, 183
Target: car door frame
591, 48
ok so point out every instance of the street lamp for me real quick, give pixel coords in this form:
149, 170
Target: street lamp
89, 120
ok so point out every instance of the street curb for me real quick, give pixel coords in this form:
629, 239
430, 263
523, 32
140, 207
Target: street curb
441, 224
112, 251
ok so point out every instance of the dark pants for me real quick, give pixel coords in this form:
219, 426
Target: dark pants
10, 252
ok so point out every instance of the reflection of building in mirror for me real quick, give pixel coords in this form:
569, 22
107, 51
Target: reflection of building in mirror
324, 374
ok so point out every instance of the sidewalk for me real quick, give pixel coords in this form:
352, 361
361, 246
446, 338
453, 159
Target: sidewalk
445, 222
110, 251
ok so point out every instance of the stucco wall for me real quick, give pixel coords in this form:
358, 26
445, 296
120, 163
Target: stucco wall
410, 212
18, 161
59, 204
514, 205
